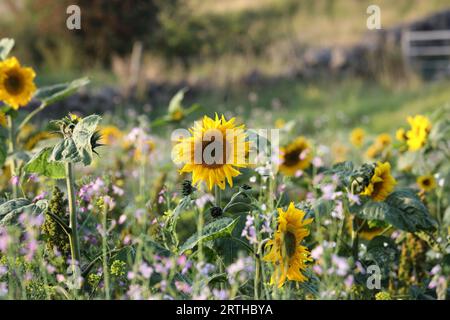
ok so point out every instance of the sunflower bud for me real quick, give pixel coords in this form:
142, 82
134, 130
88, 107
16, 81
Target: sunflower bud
188, 188
216, 212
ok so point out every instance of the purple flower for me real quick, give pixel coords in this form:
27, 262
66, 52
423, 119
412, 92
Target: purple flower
14, 180
145, 270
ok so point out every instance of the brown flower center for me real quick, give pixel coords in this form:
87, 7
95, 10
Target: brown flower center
14, 83
289, 244
292, 157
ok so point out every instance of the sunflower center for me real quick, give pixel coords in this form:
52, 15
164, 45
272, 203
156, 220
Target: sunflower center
426, 182
291, 158
214, 153
14, 83
289, 244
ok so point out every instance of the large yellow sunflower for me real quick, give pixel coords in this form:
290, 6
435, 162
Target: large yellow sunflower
213, 151
381, 184
286, 253
295, 156
417, 135
16, 83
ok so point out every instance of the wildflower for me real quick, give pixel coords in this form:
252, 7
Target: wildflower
3, 289
383, 295
145, 270
426, 183
280, 123
110, 134
357, 137
16, 83
249, 231
381, 183
295, 156
286, 253
383, 140
417, 135
222, 165
118, 268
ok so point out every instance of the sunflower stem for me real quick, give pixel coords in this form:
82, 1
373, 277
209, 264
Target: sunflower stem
105, 252
73, 238
12, 151
217, 195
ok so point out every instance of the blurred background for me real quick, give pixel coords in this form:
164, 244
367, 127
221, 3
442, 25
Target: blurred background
312, 60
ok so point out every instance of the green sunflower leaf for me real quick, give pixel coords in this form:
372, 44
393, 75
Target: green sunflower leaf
383, 251
10, 210
6, 46
219, 228
51, 94
41, 164
402, 209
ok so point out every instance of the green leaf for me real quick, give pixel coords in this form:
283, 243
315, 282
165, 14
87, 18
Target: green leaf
175, 102
41, 164
6, 46
11, 209
182, 205
54, 93
219, 228
3, 151
402, 209
383, 251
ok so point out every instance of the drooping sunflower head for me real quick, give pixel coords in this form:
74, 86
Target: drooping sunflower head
426, 183
16, 83
286, 253
213, 151
417, 135
357, 137
295, 156
381, 183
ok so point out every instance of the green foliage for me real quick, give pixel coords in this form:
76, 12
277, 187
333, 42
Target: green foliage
53, 234
41, 165
6, 46
383, 251
3, 150
402, 209
10, 210
51, 94
219, 228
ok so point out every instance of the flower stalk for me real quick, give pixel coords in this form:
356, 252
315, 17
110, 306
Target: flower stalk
12, 151
73, 237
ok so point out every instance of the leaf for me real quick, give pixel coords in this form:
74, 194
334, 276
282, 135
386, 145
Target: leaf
182, 205
6, 46
402, 209
219, 228
11, 209
41, 164
82, 134
383, 251
407, 212
51, 94
175, 102
343, 170
3, 151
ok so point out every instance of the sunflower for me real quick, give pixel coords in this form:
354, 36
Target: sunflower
366, 231
16, 83
357, 137
286, 253
34, 139
381, 183
383, 140
207, 166
295, 156
426, 183
110, 134
417, 135
400, 135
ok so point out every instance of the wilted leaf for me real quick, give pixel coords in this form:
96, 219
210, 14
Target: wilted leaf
175, 102
383, 251
217, 229
41, 164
